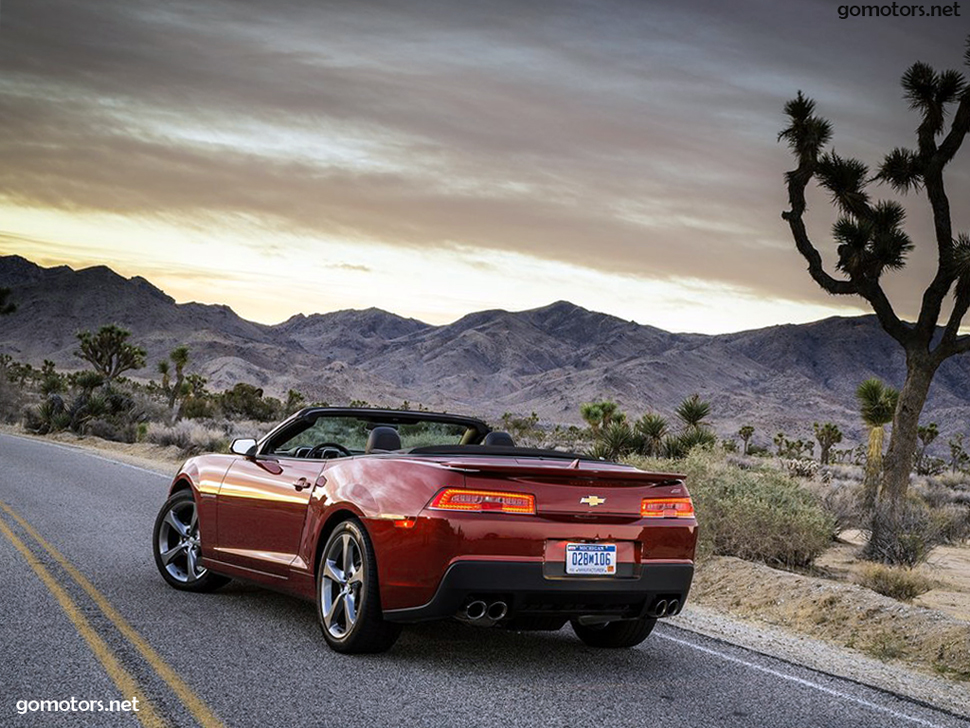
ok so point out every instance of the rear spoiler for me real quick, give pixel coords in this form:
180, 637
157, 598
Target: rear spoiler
577, 472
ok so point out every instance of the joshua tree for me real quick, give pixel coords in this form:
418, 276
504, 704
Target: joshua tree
827, 435
796, 449
877, 402
958, 456
165, 371
88, 381
692, 412
50, 381
6, 307
180, 357
196, 385
871, 240
651, 429
616, 440
109, 352
599, 415
745, 434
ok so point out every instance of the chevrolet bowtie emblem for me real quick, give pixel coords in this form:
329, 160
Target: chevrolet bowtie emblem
592, 500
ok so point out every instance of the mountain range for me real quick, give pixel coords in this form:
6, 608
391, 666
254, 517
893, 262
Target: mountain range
547, 360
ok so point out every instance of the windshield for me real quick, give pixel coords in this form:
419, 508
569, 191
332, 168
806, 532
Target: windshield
340, 436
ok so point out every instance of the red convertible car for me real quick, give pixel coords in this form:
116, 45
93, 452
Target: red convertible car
386, 517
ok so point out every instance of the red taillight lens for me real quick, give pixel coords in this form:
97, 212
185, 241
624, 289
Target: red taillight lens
460, 499
667, 508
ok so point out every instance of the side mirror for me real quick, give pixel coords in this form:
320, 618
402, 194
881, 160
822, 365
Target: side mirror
243, 446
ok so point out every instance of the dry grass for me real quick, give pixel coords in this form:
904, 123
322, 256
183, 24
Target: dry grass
893, 581
191, 438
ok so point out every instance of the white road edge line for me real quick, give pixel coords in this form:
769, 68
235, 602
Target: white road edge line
800, 681
89, 453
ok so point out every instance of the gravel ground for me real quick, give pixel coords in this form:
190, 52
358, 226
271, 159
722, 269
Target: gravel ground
828, 658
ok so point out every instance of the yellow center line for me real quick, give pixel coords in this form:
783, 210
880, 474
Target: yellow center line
123, 679
200, 711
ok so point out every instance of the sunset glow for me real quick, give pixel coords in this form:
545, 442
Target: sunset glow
434, 158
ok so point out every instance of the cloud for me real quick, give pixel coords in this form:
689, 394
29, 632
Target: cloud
622, 136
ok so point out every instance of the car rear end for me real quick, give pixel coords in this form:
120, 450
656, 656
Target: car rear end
533, 542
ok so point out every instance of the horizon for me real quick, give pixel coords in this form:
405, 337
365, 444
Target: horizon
434, 159
540, 307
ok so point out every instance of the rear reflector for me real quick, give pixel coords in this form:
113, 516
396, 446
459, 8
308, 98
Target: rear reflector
667, 508
460, 499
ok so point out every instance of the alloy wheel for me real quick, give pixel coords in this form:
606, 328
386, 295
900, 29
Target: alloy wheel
178, 544
340, 587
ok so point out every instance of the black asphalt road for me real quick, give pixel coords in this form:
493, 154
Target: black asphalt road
249, 657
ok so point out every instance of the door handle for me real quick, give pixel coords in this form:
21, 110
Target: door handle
301, 484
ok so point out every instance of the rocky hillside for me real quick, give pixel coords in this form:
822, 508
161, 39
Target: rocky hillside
547, 360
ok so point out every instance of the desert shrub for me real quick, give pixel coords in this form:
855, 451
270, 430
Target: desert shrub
111, 413
569, 438
198, 408
233, 429
953, 479
930, 465
758, 514
246, 401
934, 494
900, 534
191, 438
11, 401
840, 501
599, 450
111, 429
893, 581
49, 416
801, 468
525, 431
950, 523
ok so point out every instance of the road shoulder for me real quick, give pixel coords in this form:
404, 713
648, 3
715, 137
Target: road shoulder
826, 657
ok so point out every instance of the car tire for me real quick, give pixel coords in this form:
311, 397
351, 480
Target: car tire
613, 635
176, 543
348, 594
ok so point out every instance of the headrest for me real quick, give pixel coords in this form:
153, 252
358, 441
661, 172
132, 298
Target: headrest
498, 439
382, 439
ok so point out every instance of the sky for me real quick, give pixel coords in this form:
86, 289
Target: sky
434, 158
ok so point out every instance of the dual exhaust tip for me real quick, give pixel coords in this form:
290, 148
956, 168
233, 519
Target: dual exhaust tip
665, 608
483, 614
480, 613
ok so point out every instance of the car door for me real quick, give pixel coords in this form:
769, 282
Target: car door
262, 506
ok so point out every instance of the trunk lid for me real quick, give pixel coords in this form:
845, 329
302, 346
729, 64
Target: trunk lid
586, 490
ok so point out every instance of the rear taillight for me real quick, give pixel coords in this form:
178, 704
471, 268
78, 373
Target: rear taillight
461, 499
667, 508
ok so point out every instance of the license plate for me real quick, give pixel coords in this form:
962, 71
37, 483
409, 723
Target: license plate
591, 558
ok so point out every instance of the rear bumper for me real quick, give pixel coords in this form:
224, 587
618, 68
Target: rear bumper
527, 591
